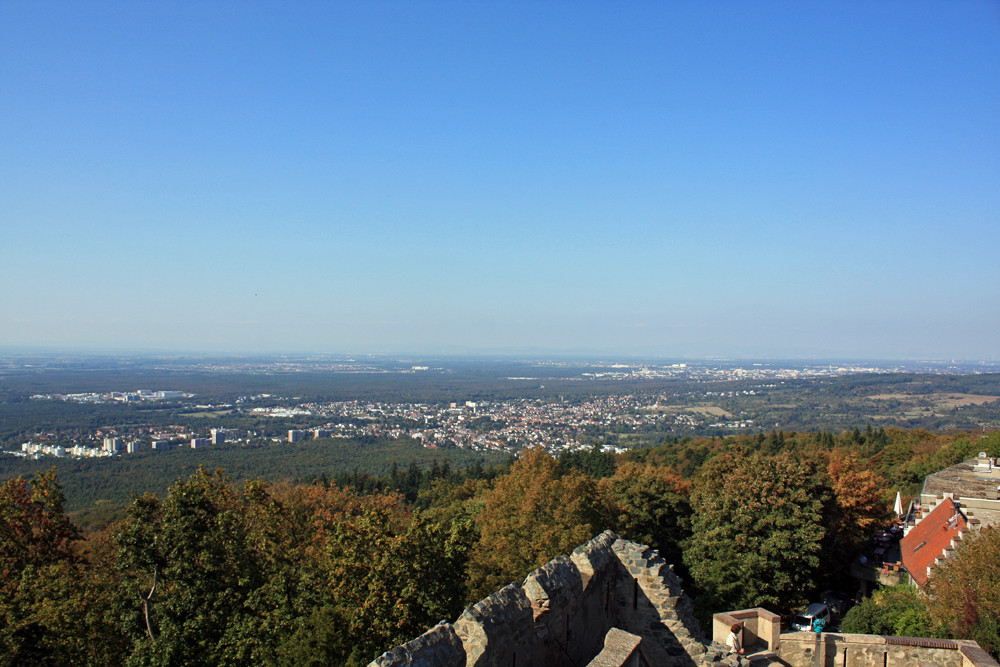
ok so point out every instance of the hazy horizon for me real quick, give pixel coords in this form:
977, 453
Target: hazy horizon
681, 180
484, 356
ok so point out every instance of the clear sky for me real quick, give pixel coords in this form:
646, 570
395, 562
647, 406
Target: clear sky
662, 178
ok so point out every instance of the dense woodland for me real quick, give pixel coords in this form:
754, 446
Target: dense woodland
95, 485
337, 569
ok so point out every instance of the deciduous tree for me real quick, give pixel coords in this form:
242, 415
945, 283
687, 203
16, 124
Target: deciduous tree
756, 531
651, 505
858, 504
55, 608
193, 554
964, 590
33, 528
532, 515
896, 610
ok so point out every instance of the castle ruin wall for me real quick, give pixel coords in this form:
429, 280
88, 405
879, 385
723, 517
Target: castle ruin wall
562, 612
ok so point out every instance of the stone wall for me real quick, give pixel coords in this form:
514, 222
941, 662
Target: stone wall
652, 605
560, 615
493, 631
829, 649
438, 647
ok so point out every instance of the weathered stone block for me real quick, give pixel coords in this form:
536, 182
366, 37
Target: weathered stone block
557, 585
620, 648
438, 647
497, 628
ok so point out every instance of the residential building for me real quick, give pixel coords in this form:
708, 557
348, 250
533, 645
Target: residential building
953, 501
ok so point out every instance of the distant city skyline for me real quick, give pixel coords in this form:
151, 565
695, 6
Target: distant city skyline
720, 179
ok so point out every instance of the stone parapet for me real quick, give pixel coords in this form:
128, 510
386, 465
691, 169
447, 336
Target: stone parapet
653, 605
973, 655
554, 587
498, 628
827, 649
555, 591
563, 611
595, 556
438, 647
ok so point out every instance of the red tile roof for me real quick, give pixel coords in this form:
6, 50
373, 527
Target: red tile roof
927, 541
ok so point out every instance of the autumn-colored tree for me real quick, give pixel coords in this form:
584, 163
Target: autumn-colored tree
650, 504
964, 590
756, 531
55, 608
64, 613
857, 505
445, 501
389, 572
34, 535
532, 515
411, 581
33, 528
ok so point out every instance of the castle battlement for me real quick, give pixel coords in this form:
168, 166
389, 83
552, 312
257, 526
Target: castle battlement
563, 613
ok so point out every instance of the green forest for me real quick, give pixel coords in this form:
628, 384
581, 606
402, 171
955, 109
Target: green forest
339, 567
89, 484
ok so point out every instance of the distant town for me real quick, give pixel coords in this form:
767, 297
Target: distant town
700, 397
478, 426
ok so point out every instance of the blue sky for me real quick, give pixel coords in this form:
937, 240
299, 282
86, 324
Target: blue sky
678, 179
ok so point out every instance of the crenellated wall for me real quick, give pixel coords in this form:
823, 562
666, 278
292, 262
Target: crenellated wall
562, 612
653, 606
438, 647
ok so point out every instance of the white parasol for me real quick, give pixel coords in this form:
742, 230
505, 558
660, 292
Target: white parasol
898, 509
